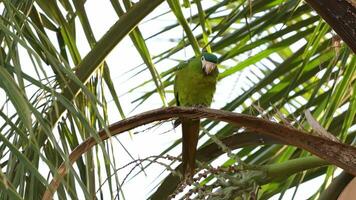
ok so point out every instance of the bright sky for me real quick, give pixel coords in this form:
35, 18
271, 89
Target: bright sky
125, 58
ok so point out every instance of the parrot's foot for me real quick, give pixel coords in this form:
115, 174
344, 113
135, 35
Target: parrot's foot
199, 106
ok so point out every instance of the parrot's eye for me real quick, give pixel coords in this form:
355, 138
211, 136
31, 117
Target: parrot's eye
202, 58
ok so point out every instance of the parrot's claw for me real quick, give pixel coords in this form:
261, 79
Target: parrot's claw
199, 106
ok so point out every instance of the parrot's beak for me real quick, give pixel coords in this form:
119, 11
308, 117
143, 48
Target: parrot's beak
208, 67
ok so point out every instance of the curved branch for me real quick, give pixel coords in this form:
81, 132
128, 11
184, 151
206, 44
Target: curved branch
341, 155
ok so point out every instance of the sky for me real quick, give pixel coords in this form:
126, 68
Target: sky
124, 62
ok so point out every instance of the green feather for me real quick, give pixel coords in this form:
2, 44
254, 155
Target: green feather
192, 87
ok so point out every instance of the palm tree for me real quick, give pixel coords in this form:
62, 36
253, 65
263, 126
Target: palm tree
280, 64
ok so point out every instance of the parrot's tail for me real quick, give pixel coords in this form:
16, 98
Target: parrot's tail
190, 130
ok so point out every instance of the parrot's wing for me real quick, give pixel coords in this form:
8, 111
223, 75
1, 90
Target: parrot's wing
175, 88
177, 99
176, 92
179, 67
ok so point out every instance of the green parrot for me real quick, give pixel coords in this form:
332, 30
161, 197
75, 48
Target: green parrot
194, 85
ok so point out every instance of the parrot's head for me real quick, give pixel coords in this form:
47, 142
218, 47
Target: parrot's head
209, 62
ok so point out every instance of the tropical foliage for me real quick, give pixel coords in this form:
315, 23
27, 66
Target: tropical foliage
278, 59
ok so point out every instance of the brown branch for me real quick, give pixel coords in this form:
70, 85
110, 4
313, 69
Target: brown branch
341, 155
340, 15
